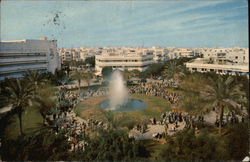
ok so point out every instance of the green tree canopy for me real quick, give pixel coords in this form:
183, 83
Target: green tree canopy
106, 72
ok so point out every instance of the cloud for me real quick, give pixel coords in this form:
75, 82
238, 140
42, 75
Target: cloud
125, 22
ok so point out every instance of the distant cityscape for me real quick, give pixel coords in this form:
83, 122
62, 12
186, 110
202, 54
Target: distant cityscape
21, 55
126, 80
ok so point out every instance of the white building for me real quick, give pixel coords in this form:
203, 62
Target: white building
131, 60
235, 54
78, 54
16, 57
201, 65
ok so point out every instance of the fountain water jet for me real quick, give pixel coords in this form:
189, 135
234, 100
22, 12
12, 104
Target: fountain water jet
118, 99
118, 93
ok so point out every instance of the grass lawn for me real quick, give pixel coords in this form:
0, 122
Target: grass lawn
90, 109
31, 121
155, 106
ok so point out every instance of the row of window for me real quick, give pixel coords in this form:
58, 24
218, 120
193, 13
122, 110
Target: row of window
126, 66
215, 70
20, 55
23, 64
124, 60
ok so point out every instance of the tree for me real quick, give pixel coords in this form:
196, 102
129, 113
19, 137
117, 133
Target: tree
87, 76
191, 86
45, 101
106, 72
91, 61
42, 145
152, 71
173, 71
221, 92
77, 75
237, 141
58, 78
19, 94
127, 74
114, 145
190, 147
36, 77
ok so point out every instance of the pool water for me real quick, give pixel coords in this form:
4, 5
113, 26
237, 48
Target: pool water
131, 105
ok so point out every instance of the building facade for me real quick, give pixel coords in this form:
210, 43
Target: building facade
77, 54
16, 57
201, 65
130, 60
222, 55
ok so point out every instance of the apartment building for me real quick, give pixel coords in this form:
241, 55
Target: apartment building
78, 54
16, 57
222, 55
129, 59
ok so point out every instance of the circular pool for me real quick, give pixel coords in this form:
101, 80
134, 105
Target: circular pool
131, 105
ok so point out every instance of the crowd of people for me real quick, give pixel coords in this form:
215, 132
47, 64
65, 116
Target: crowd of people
156, 88
94, 93
75, 127
231, 118
171, 120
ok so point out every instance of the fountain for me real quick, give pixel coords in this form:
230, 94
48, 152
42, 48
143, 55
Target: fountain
118, 93
118, 99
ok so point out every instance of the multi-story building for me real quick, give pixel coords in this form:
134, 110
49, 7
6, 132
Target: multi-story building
201, 65
78, 54
222, 55
16, 57
180, 52
129, 60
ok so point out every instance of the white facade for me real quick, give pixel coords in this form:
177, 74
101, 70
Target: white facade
235, 54
130, 61
16, 57
199, 65
77, 54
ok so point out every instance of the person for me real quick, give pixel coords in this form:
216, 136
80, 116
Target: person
166, 127
242, 118
154, 121
196, 130
217, 122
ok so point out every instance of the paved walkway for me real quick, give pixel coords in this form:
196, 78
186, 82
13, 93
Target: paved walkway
210, 117
154, 129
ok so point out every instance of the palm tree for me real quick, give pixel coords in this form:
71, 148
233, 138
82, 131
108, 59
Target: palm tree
87, 77
46, 100
173, 71
35, 77
19, 94
45, 105
222, 92
77, 76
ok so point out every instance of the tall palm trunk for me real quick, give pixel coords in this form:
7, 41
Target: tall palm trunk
44, 118
79, 85
20, 120
221, 118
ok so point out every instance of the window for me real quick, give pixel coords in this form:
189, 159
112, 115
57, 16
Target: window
236, 57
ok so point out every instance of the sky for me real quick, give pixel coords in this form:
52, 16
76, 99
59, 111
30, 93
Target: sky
169, 23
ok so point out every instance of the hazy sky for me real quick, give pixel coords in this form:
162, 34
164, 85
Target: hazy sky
206, 23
